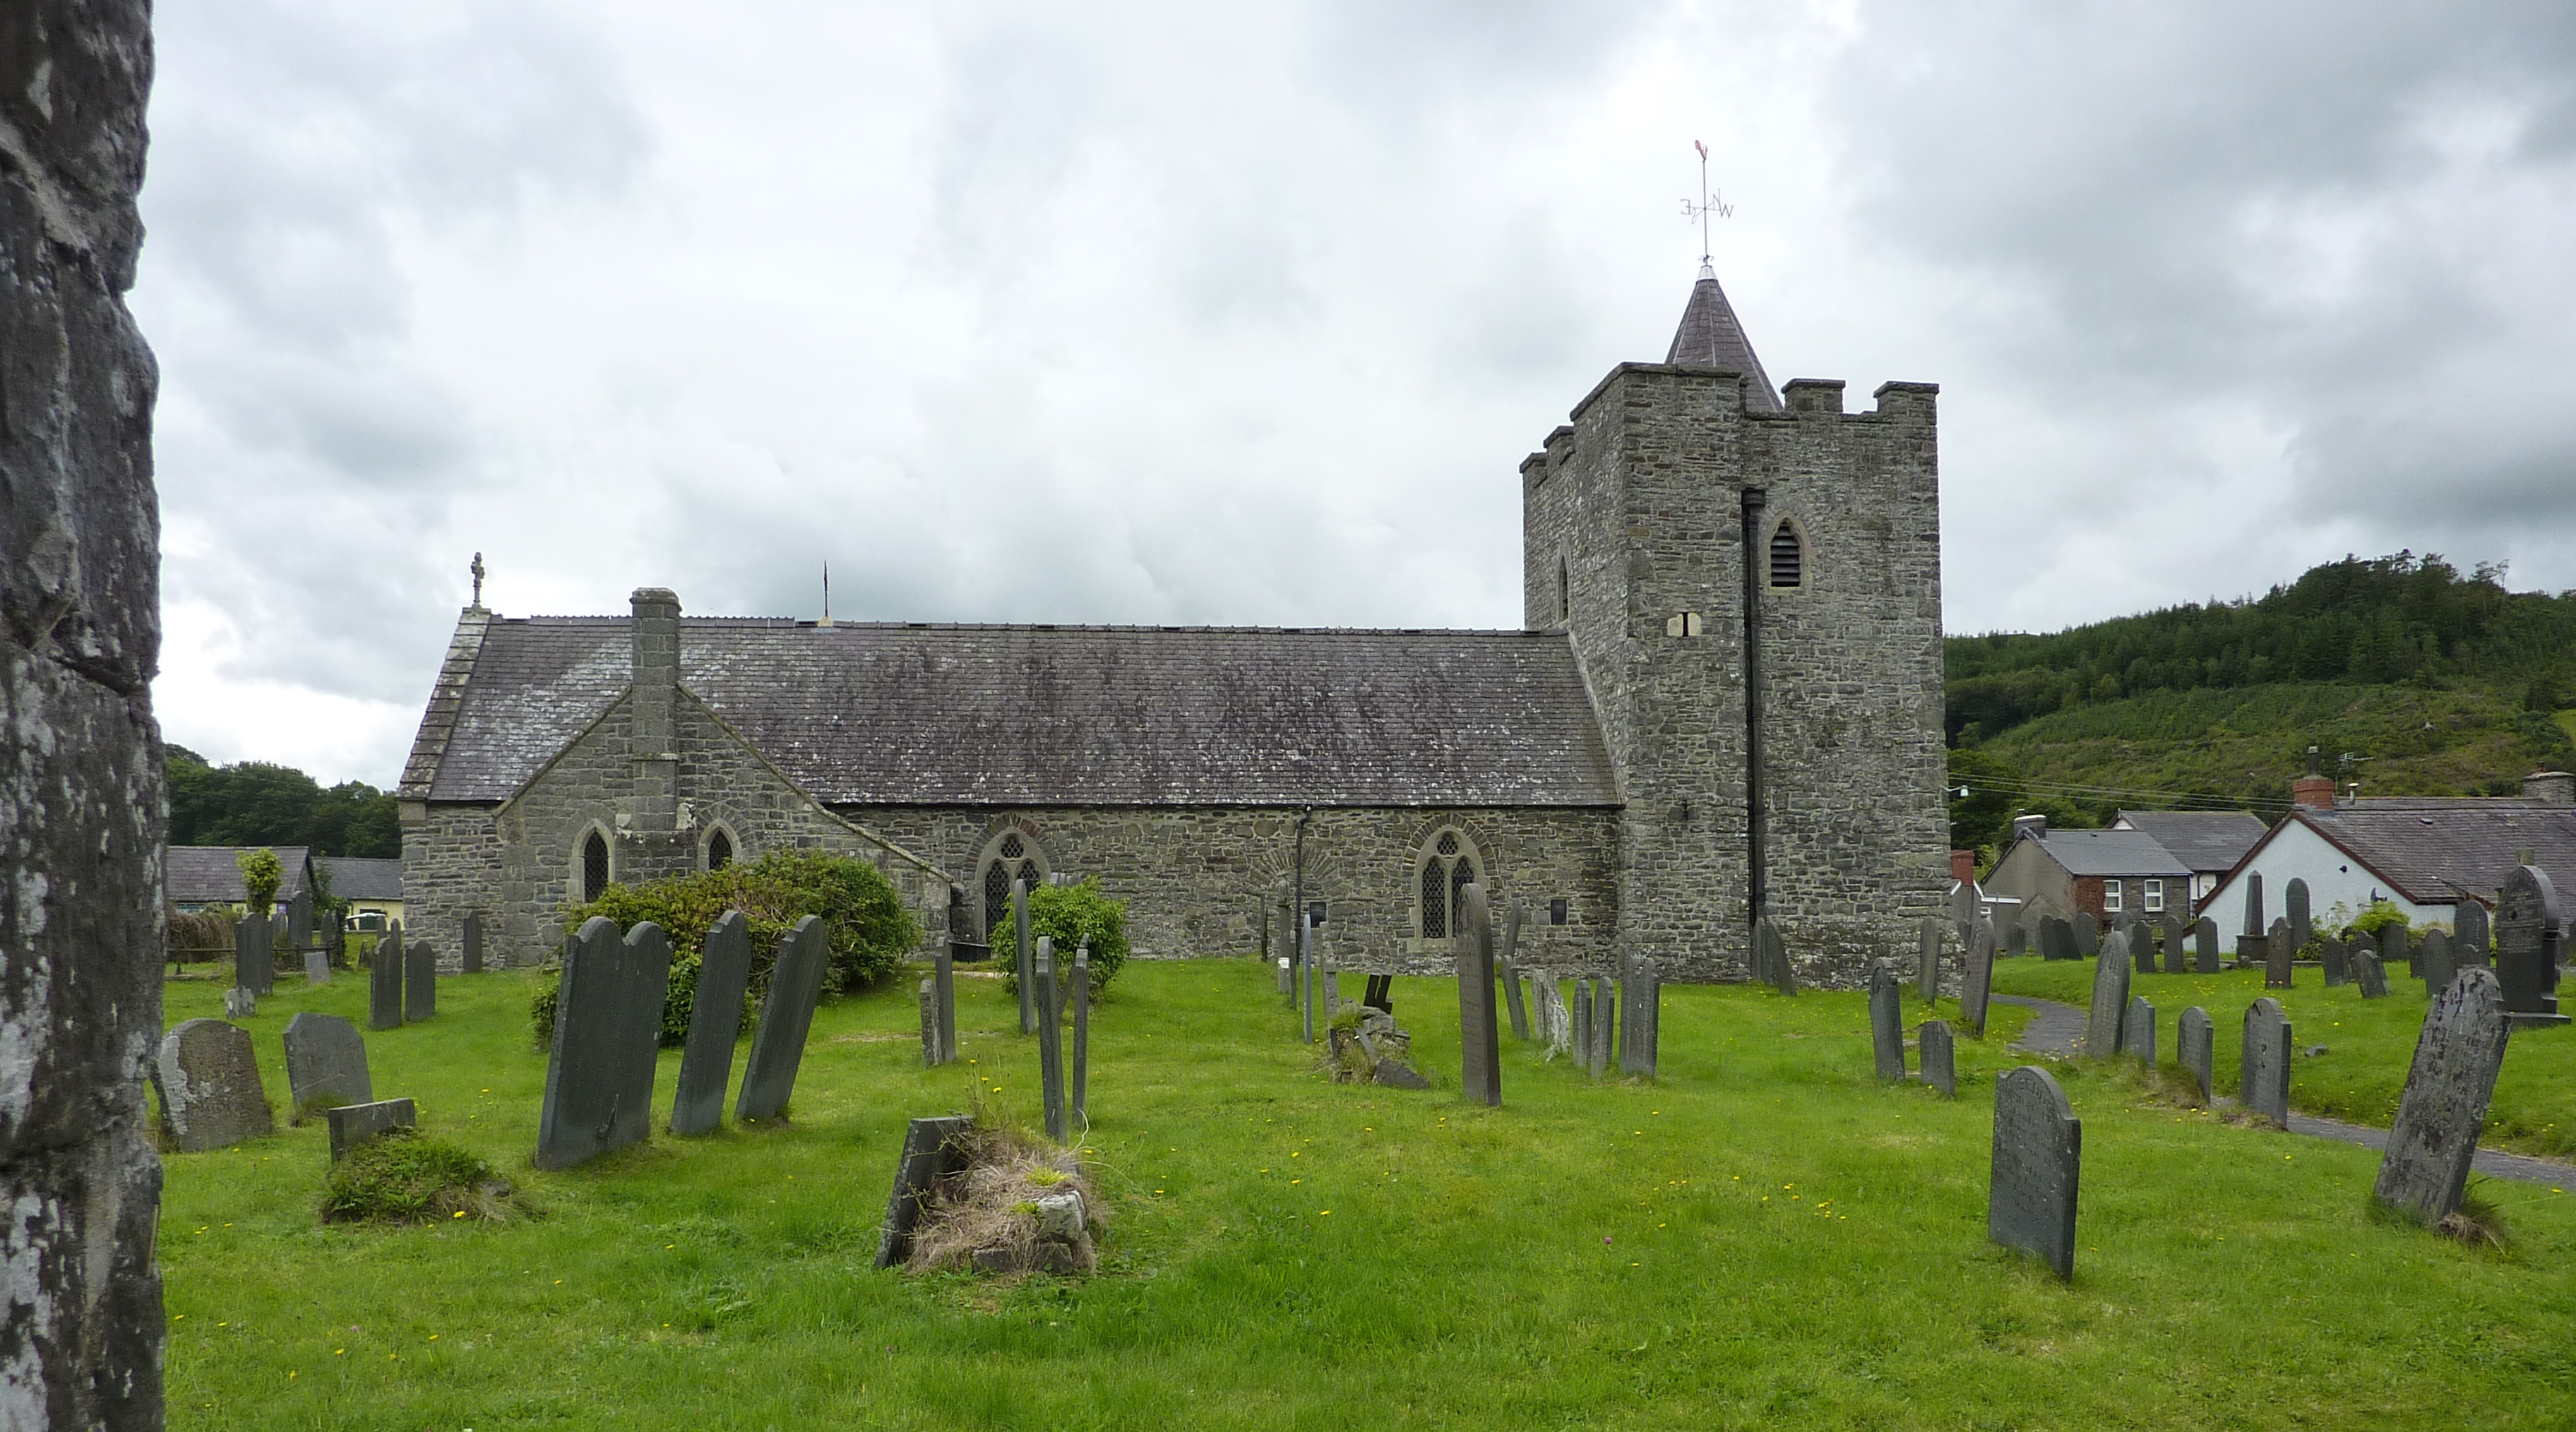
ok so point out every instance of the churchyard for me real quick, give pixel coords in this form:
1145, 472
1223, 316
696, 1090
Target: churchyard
1766, 1234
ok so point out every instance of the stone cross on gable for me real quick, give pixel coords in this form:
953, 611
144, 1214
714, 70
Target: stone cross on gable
477, 570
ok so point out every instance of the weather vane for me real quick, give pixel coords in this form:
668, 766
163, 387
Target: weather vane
1708, 204
477, 570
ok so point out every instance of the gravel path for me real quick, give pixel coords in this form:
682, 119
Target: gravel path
2059, 1029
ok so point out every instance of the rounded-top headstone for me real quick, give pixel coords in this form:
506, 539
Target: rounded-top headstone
2037, 1167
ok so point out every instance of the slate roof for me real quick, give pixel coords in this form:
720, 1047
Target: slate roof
357, 877
2434, 850
2208, 841
941, 714
1711, 337
211, 874
2123, 853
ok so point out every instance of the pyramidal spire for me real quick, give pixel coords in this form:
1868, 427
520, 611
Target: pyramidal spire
1710, 337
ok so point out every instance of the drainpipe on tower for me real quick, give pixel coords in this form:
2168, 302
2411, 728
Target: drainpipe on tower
1756, 882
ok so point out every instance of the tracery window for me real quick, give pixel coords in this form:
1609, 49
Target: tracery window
1011, 858
1449, 865
594, 867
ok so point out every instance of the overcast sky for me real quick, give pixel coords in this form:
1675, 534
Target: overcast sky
1246, 313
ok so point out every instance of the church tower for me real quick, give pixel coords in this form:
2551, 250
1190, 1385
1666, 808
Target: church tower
1751, 582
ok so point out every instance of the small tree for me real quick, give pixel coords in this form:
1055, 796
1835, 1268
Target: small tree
1067, 914
262, 872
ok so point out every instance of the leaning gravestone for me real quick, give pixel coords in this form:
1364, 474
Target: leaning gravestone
354, 1124
208, 1076
385, 981
1927, 958
2138, 1032
2204, 946
2196, 1049
2469, 933
933, 1149
2038, 1162
1480, 1052
420, 983
2433, 961
472, 940
608, 1023
2110, 999
715, 1023
2530, 942
2294, 907
326, 1059
2177, 935
778, 1046
1979, 980
2276, 956
1508, 962
1050, 1040
2370, 974
2444, 1107
2263, 1072
1886, 1022
1937, 1056
254, 966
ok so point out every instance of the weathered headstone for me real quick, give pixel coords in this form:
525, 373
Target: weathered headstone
1886, 1021
1332, 991
299, 921
2433, 961
472, 940
1605, 1024
2263, 1071
2195, 1048
1582, 1021
1508, 962
786, 1017
420, 982
354, 1124
1640, 1015
254, 967
2138, 1032
2370, 974
240, 1003
2469, 944
2276, 956
1081, 1092
943, 982
1479, 1046
2530, 944
326, 1059
2088, 935
208, 1078
2255, 924
1555, 1027
2038, 1163
2338, 964
926, 1005
608, 1023
385, 980
1979, 980
1927, 958
715, 1024
1050, 1041
1934, 1052
2177, 936
1022, 968
1775, 956
932, 1150
2142, 946
2444, 1107
2110, 999
2057, 938
317, 968
1287, 980
2294, 904
2204, 946
2395, 947
2016, 940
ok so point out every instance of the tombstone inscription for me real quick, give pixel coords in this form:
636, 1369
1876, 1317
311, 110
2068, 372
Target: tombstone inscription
1886, 1026
2444, 1107
2469, 944
2338, 964
2177, 935
254, 967
317, 968
2294, 908
2037, 1167
1641, 998
2276, 956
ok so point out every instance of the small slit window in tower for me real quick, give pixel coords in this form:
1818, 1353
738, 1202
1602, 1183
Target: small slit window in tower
594, 867
1564, 600
719, 850
1788, 558
1682, 624
1557, 911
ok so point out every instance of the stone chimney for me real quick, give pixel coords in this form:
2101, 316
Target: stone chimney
1963, 866
2029, 825
2556, 788
656, 634
2313, 789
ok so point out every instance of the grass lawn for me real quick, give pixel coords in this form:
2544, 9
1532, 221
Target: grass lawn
2369, 1044
1765, 1238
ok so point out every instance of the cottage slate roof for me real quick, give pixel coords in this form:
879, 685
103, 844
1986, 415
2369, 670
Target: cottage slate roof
2123, 853
2434, 850
2208, 841
358, 877
211, 874
1711, 337
945, 714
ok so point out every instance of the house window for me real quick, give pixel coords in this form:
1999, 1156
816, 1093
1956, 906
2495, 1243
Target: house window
2155, 897
594, 867
1007, 859
2110, 897
1448, 867
719, 849
1788, 557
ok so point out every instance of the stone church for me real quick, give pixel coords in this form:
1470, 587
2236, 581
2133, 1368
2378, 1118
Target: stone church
1724, 701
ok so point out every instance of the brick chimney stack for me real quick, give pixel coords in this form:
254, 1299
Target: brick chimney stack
2313, 789
1963, 866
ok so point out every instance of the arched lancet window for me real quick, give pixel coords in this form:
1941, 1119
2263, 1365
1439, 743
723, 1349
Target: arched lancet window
1449, 866
594, 867
720, 849
1013, 857
1788, 557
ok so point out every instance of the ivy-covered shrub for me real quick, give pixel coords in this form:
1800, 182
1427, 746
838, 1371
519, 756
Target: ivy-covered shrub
870, 931
1066, 914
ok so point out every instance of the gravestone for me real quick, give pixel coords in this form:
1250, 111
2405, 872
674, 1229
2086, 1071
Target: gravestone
2469, 944
472, 939
1081, 1093
2177, 935
1927, 959
715, 1024
2110, 1000
2196, 1049
2370, 974
354, 1124
2204, 945
943, 982
1934, 1052
2038, 1162
1022, 969
254, 967
2294, 908
208, 1078
933, 1149
299, 921
1886, 1021
326, 1058
2276, 956
1605, 1024
2088, 935
1979, 981
1380, 994
1332, 991
2338, 964
926, 1005
2138, 1032
2263, 1071
1480, 1053
1050, 1041
1641, 999
2395, 947
1582, 1019
420, 982
1286, 978
786, 1017
385, 980
2433, 961
1775, 956
2056, 938
2530, 943
1509, 963
1555, 1029
2016, 940
2255, 924
2142, 946
608, 1023
2444, 1107
240, 1003
317, 968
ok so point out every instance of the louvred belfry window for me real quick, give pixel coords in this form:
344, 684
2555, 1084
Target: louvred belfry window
1788, 557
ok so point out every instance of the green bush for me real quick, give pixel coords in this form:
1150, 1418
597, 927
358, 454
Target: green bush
1065, 914
869, 930
262, 872
401, 1177
2378, 917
